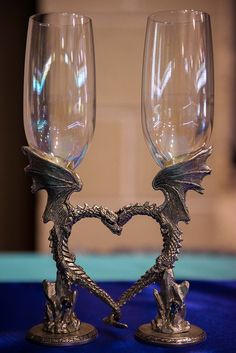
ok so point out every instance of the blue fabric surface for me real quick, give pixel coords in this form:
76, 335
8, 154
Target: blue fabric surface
210, 304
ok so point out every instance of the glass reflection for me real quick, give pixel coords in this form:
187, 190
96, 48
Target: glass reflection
39, 83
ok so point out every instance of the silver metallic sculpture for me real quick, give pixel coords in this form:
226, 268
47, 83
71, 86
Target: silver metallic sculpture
59, 121
61, 325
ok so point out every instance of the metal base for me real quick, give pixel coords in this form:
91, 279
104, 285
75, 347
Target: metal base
85, 334
147, 334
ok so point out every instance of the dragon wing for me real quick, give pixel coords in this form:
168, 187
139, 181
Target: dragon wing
49, 175
176, 180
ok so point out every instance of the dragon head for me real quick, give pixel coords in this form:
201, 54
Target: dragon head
110, 220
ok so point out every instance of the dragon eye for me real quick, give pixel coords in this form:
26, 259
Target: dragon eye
109, 221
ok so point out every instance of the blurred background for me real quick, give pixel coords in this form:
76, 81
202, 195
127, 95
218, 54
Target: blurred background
118, 169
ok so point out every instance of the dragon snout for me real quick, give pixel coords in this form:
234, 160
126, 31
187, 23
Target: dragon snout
118, 230
113, 226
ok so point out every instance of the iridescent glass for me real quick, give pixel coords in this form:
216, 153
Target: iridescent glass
177, 87
59, 87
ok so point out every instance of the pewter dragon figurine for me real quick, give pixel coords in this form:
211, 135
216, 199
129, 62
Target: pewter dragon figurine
60, 182
174, 181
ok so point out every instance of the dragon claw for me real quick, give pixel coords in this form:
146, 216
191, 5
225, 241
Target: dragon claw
112, 320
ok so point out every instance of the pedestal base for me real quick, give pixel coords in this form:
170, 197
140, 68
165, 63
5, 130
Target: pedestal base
85, 334
147, 334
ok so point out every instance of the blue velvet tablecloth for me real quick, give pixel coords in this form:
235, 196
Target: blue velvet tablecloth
210, 304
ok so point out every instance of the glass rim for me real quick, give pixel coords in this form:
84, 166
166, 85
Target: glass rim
36, 18
154, 16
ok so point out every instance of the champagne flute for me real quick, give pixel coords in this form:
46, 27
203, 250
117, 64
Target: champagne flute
59, 121
177, 119
59, 86
177, 85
